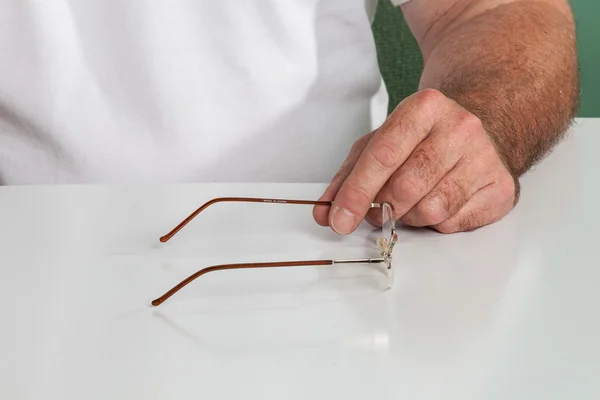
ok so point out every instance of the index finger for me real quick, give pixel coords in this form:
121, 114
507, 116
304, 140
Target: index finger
387, 150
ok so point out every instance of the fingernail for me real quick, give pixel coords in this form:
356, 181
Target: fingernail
343, 221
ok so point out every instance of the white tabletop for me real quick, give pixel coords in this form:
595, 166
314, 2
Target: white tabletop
510, 311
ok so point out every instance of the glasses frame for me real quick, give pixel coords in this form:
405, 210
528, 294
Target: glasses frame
385, 248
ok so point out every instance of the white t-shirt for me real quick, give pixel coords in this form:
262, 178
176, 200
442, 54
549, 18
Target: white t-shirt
183, 90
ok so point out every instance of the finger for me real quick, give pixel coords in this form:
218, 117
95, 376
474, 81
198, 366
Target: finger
387, 150
320, 213
433, 159
449, 195
488, 205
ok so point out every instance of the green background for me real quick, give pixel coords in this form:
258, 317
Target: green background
401, 62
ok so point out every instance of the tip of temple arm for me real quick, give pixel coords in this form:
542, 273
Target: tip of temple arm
193, 215
169, 235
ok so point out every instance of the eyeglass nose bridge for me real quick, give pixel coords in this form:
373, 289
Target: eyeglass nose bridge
386, 248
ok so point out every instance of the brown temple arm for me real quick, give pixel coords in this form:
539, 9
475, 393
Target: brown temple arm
237, 199
196, 275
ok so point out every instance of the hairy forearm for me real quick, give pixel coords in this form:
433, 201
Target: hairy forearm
515, 67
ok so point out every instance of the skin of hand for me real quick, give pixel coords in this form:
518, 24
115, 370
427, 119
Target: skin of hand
449, 156
433, 160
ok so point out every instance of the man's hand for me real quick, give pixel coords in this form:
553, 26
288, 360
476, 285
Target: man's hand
435, 163
499, 90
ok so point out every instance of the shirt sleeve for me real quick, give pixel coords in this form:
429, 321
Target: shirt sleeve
399, 2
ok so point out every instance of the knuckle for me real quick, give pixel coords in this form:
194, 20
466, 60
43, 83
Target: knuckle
386, 153
430, 212
469, 124
447, 227
441, 202
429, 96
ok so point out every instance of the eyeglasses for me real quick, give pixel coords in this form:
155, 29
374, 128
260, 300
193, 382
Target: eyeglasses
385, 243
